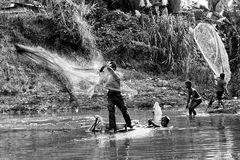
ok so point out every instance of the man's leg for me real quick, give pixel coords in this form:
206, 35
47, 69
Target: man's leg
123, 108
211, 101
219, 97
221, 103
190, 111
111, 116
194, 112
194, 105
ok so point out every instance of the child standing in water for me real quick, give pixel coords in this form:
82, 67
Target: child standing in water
221, 89
194, 98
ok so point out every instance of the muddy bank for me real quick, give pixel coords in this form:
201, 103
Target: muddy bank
171, 95
231, 107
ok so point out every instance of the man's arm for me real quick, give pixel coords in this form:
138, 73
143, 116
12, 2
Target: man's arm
151, 123
102, 68
111, 71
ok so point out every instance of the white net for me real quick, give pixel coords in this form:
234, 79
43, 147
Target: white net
157, 113
83, 76
105, 78
213, 50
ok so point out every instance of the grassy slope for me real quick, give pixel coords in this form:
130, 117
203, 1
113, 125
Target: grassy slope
27, 87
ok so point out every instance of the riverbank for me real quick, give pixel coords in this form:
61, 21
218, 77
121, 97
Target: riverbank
170, 93
154, 54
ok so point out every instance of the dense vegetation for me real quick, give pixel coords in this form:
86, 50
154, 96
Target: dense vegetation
157, 46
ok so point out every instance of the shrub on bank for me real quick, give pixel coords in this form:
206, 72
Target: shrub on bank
26, 80
146, 44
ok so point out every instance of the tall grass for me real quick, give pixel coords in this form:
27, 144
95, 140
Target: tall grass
62, 25
71, 25
159, 45
171, 35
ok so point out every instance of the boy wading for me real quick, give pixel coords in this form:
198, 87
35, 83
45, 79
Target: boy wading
221, 89
194, 98
114, 97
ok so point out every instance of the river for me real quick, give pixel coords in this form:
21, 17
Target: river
65, 136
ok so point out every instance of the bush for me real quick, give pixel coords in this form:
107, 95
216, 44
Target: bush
71, 27
147, 44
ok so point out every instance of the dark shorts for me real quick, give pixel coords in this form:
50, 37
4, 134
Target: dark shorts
219, 94
194, 104
198, 101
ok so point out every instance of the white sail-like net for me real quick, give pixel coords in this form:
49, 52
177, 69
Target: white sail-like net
213, 50
157, 115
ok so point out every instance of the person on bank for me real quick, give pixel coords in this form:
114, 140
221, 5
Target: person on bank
220, 90
194, 98
114, 97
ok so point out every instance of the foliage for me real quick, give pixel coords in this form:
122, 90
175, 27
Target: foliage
164, 44
145, 44
22, 78
71, 28
231, 37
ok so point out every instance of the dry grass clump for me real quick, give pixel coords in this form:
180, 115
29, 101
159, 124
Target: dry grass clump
160, 45
71, 26
172, 37
62, 26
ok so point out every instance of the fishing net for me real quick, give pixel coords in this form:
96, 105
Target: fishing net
213, 50
82, 76
126, 88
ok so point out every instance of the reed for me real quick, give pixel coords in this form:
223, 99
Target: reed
71, 25
161, 45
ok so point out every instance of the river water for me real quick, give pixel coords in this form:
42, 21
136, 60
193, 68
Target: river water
65, 136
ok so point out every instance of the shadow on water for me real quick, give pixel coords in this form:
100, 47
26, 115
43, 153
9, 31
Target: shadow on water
66, 137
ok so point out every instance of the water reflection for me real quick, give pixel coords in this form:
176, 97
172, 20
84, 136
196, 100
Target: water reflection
66, 137
120, 150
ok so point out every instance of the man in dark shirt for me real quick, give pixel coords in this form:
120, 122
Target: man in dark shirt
115, 97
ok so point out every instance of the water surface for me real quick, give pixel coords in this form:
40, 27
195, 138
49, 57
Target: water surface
66, 137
